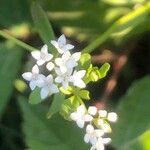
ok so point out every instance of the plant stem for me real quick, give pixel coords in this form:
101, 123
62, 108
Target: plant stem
16, 41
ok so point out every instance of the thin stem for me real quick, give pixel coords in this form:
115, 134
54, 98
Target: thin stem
16, 41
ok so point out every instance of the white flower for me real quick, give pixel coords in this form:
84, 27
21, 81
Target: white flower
77, 78
63, 78
80, 116
112, 117
42, 56
33, 77
92, 134
102, 113
47, 87
61, 45
68, 61
92, 110
100, 143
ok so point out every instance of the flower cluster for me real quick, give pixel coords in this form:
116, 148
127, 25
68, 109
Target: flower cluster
97, 124
61, 70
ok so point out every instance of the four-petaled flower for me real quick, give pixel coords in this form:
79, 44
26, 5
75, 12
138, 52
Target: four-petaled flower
42, 56
47, 87
34, 77
80, 116
92, 134
68, 61
61, 45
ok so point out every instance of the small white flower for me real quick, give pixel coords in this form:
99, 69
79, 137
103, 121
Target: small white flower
80, 116
92, 134
67, 61
33, 77
42, 56
77, 78
92, 110
48, 87
63, 78
105, 126
112, 117
100, 143
102, 113
50, 66
61, 45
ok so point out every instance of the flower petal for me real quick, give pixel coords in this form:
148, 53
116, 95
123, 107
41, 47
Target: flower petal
63, 69
79, 83
32, 85
36, 54
49, 57
81, 110
88, 117
27, 76
80, 74
76, 56
68, 47
106, 140
44, 92
54, 89
50, 66
54, 43
89, 129
44, 49
40, 62
35, 69
66, 56
102, 113
80, 123
59, 61
62, 40
58, 79
74, 116
86, 138
112, 117
92, 110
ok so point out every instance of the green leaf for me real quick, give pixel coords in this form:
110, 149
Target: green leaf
104, 69
133, 112
85, 61
67, 91
35, 97
84, 94
43, 25
56, 104
10, 62
49, 134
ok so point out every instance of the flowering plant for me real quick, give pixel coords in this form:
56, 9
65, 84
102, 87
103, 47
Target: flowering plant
68, 73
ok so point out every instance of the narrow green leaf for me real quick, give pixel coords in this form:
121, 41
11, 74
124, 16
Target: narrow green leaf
10, 62
43, 25
56, 104
35, 97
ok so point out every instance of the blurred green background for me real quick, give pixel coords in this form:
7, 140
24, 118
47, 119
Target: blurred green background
114, 31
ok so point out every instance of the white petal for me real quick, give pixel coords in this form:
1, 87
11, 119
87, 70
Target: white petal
27, 76
40, 81
57, 70
93, 147
62, 40
81, 110
86, 138
49, 57
63, 69
74, 116
80, 123
40, 62
44, 92
99, 132
92, 110
106, 140
79, 83
58, 79
100, 146
89, 129
66, 56
54, 89
59, 61
80, 74
76, 56
44, 49
49, 78
106, 128
68, 47
32, 85
35, 69
93, 140
70, 64
50, 66
65, 84
36, 54
88, 117
112, 117
54, 43
102, 113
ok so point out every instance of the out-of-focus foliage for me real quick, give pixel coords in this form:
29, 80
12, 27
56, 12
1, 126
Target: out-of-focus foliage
132, 130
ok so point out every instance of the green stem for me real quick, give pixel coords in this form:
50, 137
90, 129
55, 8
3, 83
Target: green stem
16, 41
